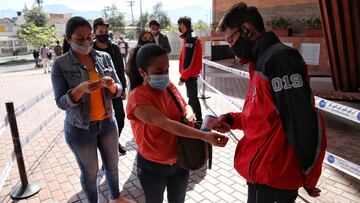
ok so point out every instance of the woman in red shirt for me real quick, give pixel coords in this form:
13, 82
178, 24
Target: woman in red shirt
155, 122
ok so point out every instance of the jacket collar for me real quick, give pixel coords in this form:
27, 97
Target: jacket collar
266, 40
186, 34
75, 61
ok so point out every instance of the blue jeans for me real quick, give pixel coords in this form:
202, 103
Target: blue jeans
101, 135
155, 177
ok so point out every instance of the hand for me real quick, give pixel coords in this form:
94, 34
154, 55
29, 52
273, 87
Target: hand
180, 83
216, 139
123, 95
222, 126
89, 86
109, 83
313, 192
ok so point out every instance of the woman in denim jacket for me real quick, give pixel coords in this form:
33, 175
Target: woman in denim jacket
85, 82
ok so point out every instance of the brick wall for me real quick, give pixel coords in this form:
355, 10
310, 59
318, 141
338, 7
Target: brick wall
293, 9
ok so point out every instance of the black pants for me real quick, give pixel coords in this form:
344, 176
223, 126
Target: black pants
119, 113
265, 194
192, 93
155, 177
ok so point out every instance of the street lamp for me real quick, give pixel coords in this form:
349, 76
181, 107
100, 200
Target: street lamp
131, 3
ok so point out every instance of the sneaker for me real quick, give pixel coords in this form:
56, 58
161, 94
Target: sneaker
122, 150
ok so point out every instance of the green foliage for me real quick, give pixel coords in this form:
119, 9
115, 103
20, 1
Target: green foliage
313, 22
279, 22
160, 15
115, 19
201, 25
35, 15
37, 36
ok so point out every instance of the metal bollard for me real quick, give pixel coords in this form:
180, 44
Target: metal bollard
26, 189
203, 85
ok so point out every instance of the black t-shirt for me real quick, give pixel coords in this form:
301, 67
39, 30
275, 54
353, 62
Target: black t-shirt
116, 57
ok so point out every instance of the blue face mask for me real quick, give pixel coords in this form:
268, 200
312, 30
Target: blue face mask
159, 82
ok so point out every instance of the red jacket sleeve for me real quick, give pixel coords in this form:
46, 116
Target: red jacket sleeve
196, 64
234, 120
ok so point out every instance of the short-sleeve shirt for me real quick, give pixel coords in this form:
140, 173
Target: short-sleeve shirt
154, 143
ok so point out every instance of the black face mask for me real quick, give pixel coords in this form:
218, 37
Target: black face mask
242, 48
102, 38
142, 42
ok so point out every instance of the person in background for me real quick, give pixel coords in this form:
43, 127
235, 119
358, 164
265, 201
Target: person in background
57, 50
145, 37
157, 136
102, 43
46, 58
160, 38
84, 83
124, 47
36, 58
284, 140
190, 64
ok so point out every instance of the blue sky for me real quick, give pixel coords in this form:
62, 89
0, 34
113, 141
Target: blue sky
83, 5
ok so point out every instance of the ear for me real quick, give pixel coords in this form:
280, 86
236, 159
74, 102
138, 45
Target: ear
250, 32
142, 72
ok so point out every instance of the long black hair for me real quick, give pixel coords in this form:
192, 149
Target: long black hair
143, 57
71, 25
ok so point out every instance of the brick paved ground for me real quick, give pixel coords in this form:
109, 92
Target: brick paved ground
50, 161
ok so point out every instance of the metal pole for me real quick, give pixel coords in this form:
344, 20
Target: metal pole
141, 22
203, 85
25, 190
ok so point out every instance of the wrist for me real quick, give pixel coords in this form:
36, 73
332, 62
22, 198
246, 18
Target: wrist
205, 137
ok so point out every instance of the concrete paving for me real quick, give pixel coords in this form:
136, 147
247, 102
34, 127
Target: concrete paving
50, 161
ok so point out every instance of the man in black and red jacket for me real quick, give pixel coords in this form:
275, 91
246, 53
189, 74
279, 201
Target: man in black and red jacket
284, 135
190, 63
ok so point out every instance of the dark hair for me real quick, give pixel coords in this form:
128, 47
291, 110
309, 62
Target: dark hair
57, 42
142, 33
142, 58
65, 46
74, 23
240, 13
186, 21
98, 22
154, 22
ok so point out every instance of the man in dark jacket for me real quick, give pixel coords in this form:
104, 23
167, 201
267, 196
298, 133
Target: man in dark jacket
102, 43
284, 140
190, 64
160, 38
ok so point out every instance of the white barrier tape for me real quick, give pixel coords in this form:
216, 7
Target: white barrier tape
22, 108
332, 107
227, 69
338, 109
343, 165
323, 104
223, 95
28, 139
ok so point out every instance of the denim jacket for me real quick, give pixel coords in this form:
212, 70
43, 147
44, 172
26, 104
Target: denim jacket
67, 72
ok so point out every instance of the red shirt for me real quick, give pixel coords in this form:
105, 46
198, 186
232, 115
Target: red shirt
154, 143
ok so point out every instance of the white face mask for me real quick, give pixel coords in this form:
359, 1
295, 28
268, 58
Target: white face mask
83, 48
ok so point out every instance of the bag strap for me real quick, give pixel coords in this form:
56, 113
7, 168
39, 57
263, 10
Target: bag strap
175, 100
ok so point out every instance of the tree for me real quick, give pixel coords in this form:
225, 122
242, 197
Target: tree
115, 19
160, 15
144, 19
35, 15
201, 25
36, 31
37, 36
